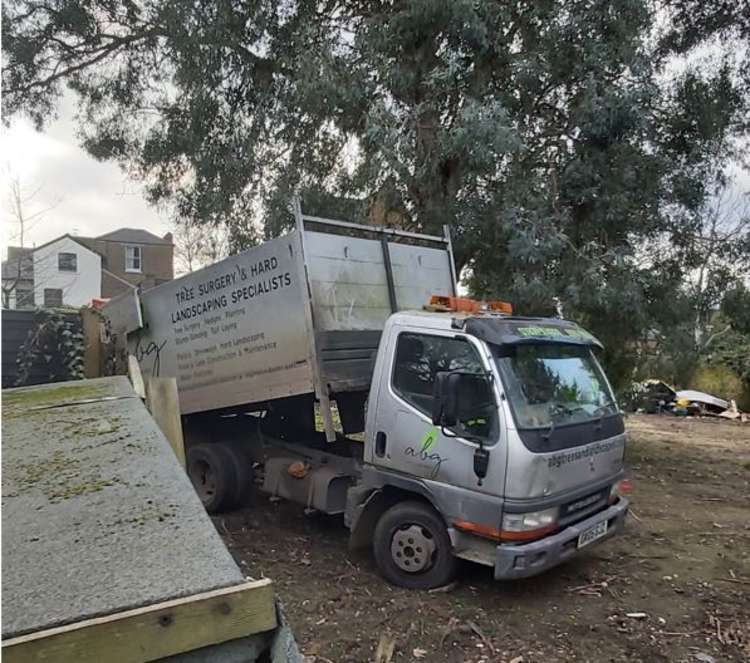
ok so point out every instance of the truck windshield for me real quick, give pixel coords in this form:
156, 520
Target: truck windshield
551, 384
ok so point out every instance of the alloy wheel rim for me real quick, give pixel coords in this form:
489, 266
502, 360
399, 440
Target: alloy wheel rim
413, 548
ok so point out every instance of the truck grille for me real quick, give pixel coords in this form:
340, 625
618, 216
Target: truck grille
582, 506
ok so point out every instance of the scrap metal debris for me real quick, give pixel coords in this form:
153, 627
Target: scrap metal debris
704, 401
654, 396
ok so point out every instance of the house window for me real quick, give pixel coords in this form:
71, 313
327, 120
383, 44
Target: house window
53, 297
67, 262
133, 259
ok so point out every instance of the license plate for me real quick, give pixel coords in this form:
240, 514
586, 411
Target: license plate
592, 534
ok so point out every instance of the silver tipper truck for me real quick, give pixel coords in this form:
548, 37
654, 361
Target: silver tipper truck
486, 436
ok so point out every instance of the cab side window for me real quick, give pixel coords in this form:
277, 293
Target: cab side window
419, 357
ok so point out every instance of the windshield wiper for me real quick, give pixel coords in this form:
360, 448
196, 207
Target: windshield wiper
561, 408
602, 411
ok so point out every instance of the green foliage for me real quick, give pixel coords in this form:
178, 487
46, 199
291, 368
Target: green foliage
719, 380
735, 307
669, 356
693, 23
732, 348
57, 344
571, 159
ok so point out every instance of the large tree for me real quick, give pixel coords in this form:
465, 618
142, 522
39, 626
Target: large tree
556, 137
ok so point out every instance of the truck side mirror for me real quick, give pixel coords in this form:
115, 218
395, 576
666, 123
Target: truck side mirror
445, 399
460, 397
459, 402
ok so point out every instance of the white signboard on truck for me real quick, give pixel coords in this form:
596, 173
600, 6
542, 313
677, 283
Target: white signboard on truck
233, 333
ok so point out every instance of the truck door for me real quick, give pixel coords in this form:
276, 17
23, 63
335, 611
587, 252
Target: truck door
405, 439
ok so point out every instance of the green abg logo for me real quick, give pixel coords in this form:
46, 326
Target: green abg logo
429, 439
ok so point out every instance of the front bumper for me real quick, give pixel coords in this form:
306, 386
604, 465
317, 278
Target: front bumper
529, 559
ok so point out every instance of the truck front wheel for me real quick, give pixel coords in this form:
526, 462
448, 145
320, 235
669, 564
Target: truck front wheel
412, 548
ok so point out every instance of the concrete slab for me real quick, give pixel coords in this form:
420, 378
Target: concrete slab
98, 516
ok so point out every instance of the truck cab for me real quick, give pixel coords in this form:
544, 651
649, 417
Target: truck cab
491, 438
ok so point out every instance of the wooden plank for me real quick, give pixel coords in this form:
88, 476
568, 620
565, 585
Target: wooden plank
153, 632
163, 402
92, 343
136, 378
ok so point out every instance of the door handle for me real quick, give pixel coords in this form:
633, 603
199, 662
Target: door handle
380, 442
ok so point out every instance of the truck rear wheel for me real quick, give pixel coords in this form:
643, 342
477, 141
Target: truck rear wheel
211, 469
412, 547
243, 469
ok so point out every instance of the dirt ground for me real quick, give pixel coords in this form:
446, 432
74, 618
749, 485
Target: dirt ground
674, 587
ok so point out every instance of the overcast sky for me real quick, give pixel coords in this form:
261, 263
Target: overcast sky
87, 197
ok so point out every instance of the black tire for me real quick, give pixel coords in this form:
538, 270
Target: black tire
212, 472
244, 474
395, 550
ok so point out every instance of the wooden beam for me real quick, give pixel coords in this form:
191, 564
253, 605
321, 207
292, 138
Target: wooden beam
136, 378
92, 352
163, 402
155, 631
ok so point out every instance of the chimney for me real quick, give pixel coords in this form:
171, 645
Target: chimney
168, 237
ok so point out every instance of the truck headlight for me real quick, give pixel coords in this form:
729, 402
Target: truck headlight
528, 526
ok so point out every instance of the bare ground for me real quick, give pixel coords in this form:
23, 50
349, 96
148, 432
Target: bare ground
684, 562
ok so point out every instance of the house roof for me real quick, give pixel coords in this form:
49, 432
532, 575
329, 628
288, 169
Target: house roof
77, 240
134, 236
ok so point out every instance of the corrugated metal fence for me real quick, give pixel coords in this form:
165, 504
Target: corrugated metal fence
16, 326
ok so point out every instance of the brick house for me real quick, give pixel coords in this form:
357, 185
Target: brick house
73, 270
132, 257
